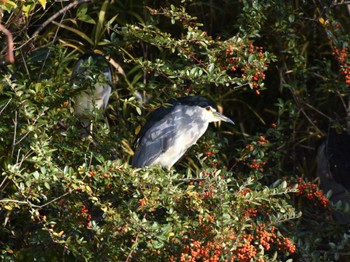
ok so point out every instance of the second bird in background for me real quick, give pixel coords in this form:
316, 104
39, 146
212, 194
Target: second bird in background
170, 131
92, 76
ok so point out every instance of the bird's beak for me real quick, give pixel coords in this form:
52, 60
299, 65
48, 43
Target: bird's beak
221, 117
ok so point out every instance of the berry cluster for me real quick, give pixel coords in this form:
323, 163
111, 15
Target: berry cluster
85, 217
340, 50
252, 155
237, 246
311, 191
251, 70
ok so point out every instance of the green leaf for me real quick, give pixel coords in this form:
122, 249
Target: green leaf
82, 16
43, 170
7, 207
76, 31
284, 184
251, 58
101, 20
82, 10
8, 6
87, 19
27, 9
36, 175
291, 18
211, 67
43, 3
46, 185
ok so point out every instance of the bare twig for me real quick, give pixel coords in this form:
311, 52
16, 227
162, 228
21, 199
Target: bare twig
346, 3
14, 134
3, 181
190, 179
132, 248
52, 18
33, 123
340, 3
31, 204
318, 111
63, 10
55, 199
13, 201
8, 102
9, 58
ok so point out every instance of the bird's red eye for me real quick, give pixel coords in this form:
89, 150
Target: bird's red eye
208, 108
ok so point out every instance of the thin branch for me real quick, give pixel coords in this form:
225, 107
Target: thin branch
14, 201
129, 257
33, 123
55, 199
52, 18
310, 121
9, 58
63, 10
3, 181
190, 179
14, 134
33, 205
300, 104
318, 111
340, 3
347, 3
8, 102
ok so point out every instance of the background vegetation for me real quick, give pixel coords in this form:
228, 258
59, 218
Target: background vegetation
279, 69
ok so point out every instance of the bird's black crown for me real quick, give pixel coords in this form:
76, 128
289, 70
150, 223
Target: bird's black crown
193, 101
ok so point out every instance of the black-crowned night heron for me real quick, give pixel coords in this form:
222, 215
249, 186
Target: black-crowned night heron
333, 169
92, 75
170, 131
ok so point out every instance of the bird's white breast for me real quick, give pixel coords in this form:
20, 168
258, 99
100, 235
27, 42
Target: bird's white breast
189, 125
95, 99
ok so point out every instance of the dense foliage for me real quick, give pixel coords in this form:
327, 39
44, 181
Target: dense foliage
279, 69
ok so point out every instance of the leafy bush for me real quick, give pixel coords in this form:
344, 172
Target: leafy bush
244, 193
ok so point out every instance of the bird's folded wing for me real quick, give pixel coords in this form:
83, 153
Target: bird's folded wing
154, 142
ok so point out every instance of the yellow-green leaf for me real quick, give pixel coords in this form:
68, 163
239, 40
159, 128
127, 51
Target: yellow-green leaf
8, 208
8, 6
43, 3
27, 9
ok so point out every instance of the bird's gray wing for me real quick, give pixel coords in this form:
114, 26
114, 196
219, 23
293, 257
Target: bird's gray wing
158, 138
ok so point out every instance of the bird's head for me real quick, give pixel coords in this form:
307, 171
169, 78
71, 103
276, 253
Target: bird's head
210, 110
214, 116
92, 67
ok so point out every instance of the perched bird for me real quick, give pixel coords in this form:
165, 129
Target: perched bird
333, 169
170, 131
92, 75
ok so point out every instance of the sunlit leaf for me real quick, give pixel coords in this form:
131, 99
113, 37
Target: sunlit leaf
43, 3
76, 31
